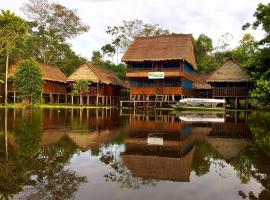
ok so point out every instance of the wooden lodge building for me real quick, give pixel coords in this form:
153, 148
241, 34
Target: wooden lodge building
104, 85
160, 68
54, 84
230, 82
200, 88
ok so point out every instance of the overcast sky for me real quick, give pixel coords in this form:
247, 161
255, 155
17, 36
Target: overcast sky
211, 17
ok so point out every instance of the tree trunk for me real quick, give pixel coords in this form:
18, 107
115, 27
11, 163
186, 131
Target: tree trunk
81, 100
28, 102
6, 132
6, 79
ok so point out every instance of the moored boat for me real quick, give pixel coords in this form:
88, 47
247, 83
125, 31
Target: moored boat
200, 104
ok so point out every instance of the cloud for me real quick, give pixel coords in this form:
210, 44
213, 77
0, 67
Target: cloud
213, 18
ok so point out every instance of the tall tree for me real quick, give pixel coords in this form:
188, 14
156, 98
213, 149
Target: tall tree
13, 31
53, 25
28, 81
124, 34
204, 54
244, 53
259, 67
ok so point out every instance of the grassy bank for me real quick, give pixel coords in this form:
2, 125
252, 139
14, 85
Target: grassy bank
55, 106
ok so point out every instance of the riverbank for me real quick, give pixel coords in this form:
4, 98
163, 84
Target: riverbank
55, 106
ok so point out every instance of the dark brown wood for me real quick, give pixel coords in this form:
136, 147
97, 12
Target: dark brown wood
230, 92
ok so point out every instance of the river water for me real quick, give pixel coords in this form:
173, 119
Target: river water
112, 154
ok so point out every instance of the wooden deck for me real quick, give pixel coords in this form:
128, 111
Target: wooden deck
146, 104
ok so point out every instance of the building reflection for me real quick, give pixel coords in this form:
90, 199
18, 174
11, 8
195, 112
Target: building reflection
163, 147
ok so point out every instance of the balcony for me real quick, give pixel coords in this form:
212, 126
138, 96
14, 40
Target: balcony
168, 72
230, 92
158, 91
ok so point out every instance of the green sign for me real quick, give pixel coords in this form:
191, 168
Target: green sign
156, 75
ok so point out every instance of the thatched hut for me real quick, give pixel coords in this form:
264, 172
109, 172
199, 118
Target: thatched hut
160, 68
54, 83
230, 82
104, 85
200, 88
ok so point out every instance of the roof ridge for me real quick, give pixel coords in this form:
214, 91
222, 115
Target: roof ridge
89, 66
165, 35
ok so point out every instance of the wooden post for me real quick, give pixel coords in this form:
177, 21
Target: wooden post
51, 98
97, 100
66, 99
102, 100
235, 103
72, 99
58, 98
87, 100
14, 97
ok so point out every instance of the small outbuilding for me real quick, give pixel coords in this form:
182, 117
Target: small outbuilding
200, 88
230, 82
54, 83
104, 86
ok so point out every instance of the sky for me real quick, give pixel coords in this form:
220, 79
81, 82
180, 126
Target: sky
211, 17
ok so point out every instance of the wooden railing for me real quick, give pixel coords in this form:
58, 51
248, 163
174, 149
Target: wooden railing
156, 91
230, 92
169, 72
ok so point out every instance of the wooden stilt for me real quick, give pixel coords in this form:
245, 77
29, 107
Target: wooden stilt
97, 100
14, 97
72, 99
66, 98
58, 98
87, 100
51, 98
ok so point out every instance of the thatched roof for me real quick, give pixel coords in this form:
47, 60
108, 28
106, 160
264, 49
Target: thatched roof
228, 148
92, 140
49, 73
160, 168
161, 48
95, 74
231, 71
200, 83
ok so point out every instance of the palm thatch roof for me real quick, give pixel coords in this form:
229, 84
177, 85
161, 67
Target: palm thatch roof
228, 148
160, 168
95, 74
92, 140
161, 48
49, 73
231, 71
200, 83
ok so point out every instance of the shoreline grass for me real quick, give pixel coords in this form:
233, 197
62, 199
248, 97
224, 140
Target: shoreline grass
64, 106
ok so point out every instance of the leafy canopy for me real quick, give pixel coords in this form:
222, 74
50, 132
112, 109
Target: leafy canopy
53, 24
28, 80
13, 30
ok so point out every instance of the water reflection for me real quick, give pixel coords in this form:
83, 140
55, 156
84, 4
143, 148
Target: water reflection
63, 154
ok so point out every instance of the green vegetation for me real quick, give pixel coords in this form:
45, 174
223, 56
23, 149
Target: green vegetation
80, 87
44, 36
12, 33
28, 81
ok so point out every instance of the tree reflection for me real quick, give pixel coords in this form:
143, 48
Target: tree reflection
120, 174
54, 181
27, 134
41, 168
202, 158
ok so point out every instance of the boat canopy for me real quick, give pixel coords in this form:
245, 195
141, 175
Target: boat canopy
201, 101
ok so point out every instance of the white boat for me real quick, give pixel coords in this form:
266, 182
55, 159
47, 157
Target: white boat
198, 103
201, 119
